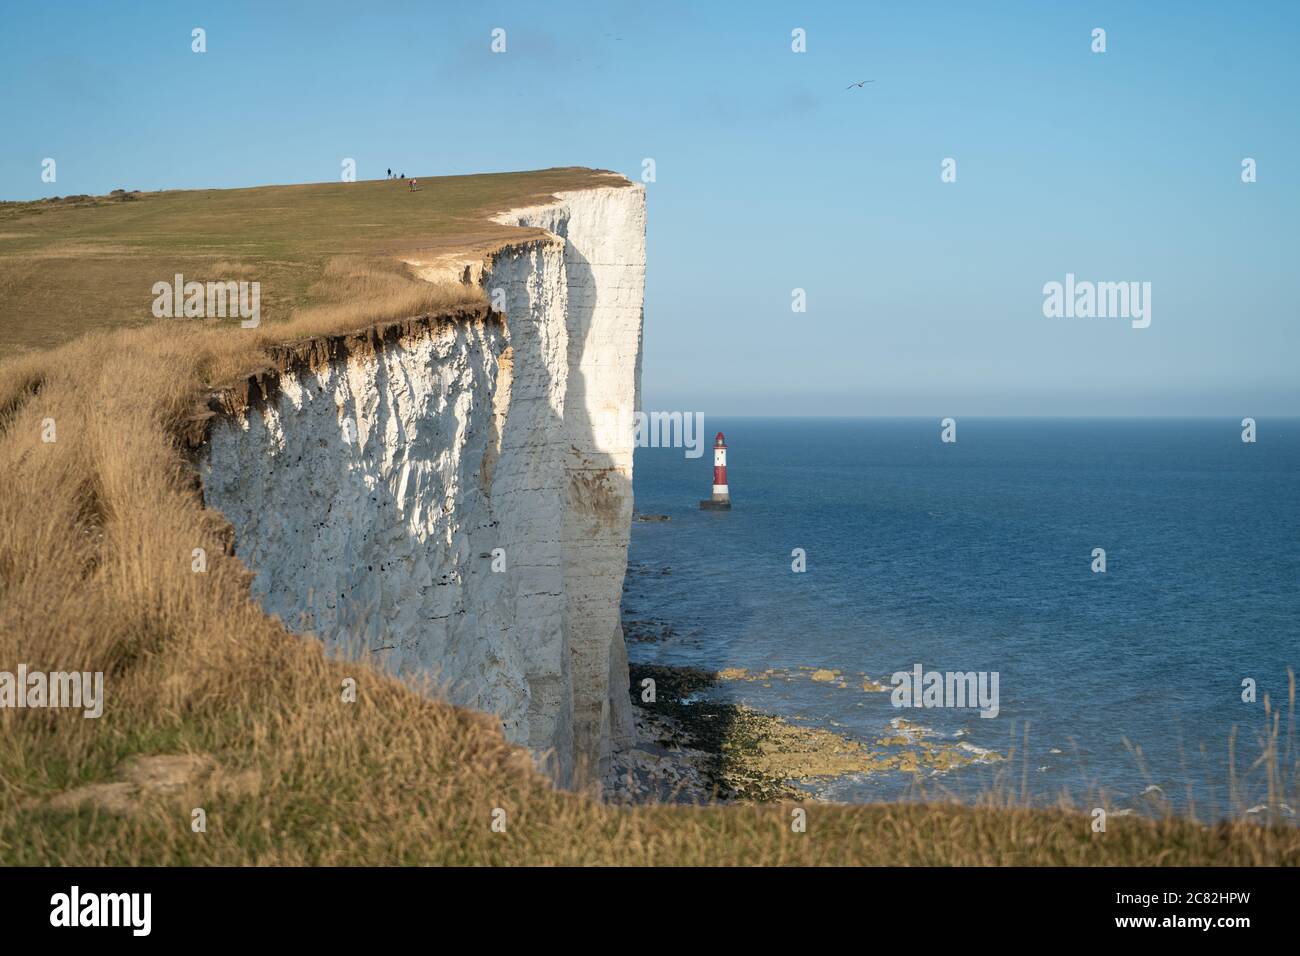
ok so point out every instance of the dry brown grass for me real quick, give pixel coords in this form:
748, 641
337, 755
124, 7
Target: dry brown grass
357, 290
96, 535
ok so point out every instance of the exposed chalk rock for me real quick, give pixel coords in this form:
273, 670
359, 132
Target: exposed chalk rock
456, 502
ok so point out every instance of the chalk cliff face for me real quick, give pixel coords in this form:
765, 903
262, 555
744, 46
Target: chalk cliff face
456, 500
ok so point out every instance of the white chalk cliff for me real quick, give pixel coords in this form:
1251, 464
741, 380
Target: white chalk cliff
371, 490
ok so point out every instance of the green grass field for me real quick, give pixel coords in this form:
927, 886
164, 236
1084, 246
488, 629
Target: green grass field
69, 267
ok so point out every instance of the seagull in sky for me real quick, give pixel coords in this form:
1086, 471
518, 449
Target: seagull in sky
859, 85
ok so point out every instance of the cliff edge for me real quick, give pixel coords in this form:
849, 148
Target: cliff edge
455, 500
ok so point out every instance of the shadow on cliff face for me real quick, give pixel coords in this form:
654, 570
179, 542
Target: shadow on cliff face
597, 526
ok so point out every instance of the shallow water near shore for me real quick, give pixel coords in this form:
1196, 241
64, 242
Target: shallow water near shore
977, 556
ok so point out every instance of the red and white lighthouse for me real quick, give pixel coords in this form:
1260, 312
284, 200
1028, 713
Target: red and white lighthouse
721, 500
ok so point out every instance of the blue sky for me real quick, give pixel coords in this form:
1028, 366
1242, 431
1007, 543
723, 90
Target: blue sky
924, 297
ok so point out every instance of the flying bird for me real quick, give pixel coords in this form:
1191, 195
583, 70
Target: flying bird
859, 85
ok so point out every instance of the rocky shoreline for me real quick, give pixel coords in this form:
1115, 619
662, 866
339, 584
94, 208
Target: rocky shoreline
693, 747
696, 744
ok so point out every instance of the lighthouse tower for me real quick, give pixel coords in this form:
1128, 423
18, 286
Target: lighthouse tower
721, 500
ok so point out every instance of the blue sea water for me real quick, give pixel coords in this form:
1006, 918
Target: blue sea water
977, 556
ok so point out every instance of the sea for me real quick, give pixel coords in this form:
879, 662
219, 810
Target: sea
1143, 685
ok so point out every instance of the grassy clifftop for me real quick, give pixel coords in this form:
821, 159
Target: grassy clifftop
84, 263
